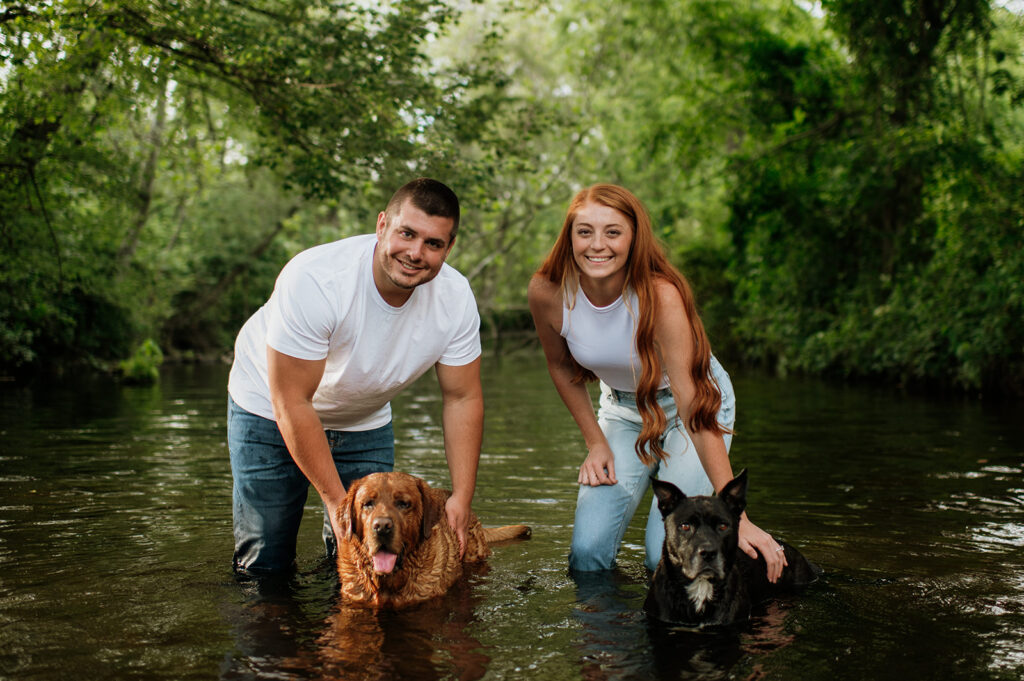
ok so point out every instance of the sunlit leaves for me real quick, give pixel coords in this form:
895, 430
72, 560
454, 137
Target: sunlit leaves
122, 123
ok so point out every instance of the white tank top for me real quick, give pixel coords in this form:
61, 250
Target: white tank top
603, 339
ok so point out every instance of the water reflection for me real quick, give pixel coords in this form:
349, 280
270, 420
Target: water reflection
276, 636
617, 641
115, 545
428, 642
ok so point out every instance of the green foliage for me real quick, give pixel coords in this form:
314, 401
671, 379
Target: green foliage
854, 176
844, 190
153, 155
706, 266
878, 242
143, 367
954, 320
507, 142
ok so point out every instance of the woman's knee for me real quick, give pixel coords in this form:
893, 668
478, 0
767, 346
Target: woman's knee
591, 552
727, 408
599, 514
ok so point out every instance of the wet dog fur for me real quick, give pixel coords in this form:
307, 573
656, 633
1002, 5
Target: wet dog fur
702, 577
397, 548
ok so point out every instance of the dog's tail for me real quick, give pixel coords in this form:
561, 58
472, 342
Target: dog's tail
506, 533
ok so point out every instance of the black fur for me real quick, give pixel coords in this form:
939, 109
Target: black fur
703, 578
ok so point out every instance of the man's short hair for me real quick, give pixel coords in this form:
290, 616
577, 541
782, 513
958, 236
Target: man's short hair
430, 196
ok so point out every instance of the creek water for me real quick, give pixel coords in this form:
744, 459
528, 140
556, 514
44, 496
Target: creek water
115, 544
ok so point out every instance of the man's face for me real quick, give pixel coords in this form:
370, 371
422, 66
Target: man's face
411, 247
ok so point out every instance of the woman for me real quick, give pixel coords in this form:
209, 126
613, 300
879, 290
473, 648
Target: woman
607, 304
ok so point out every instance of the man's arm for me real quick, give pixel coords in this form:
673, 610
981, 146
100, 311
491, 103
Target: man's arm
293, 383
463, 423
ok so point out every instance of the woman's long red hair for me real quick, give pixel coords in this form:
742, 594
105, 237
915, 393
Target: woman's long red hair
647, 263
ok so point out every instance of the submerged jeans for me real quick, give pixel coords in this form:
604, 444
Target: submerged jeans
269, 490
603, 513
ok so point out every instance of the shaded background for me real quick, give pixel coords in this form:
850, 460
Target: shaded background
841, 180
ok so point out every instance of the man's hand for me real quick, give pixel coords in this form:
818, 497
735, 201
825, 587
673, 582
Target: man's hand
458, 512
339, 531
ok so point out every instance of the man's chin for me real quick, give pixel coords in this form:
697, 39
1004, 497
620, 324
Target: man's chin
405, 283
406, 280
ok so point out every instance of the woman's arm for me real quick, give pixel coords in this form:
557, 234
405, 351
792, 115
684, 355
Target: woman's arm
546, 307
673, 338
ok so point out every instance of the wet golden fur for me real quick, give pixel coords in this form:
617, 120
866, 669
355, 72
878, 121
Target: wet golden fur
400, 514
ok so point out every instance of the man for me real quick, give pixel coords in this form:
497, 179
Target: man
348, 326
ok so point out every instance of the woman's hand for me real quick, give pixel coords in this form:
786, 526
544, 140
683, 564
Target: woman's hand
754, 540
599, 467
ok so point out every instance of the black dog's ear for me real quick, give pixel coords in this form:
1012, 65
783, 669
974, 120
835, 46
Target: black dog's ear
669, 496
735, 493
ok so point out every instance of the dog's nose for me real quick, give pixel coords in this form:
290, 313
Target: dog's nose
708, 554
382, 526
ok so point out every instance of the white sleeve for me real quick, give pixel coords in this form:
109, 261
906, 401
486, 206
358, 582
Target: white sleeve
301, 316
465, 344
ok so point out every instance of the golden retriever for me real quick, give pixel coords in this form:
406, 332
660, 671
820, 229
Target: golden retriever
397, 548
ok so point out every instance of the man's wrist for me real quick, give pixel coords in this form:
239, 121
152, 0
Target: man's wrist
333, 500
461, 498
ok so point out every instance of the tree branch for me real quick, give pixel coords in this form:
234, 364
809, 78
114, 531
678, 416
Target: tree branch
211, 294
12, 13
49, 227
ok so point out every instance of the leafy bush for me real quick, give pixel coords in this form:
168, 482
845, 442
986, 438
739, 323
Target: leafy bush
143, 367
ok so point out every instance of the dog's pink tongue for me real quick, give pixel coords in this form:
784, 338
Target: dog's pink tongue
384, 561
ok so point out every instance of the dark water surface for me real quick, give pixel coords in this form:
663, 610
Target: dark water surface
115, 545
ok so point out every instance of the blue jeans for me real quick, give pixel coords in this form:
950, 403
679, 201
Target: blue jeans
270, 491
603, 513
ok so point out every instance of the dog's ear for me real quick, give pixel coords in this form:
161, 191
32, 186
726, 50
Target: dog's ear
669, 496
347, 516
734, 494
432, 510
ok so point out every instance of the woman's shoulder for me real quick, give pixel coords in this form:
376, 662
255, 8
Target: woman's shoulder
669, 309
543, 290
666, 292
545, 299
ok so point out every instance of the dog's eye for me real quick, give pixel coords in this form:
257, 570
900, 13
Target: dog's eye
685, 527
402, 504
722, 527
368, 503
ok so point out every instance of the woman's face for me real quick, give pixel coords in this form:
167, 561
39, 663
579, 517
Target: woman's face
601, 241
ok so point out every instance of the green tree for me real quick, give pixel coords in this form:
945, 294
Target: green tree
872, 242
507, 139
123, 123
844, 188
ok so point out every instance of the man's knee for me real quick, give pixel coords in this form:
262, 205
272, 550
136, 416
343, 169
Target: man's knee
264, 548
266, 534
257, 558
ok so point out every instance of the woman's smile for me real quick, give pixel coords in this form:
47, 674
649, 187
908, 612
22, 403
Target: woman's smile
601, 241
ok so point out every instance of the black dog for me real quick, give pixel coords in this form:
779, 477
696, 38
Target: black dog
703, 578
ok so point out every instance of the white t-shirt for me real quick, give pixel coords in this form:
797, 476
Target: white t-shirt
325, 304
